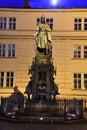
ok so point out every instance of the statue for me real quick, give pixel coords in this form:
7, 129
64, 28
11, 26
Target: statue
43, 37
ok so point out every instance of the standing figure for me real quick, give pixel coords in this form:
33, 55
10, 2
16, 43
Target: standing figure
43, 37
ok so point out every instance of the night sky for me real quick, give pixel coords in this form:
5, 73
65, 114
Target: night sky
45, 3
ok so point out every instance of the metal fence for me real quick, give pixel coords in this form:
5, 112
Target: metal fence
62, 108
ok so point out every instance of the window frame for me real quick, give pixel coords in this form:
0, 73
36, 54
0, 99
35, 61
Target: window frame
12, 23
85, 81
85, 52
11, 50
2, 50
3, 23
77, 80
1, 79
10, 79
77, 24
85, 23
77, 51
7, 23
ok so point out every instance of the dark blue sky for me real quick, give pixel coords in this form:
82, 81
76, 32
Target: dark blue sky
45, 3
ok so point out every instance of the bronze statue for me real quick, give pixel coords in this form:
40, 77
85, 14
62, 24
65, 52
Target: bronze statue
43, 37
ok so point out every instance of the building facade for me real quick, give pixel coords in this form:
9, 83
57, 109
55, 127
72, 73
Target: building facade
69, 46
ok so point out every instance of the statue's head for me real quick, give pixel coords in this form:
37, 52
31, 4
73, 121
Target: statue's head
42, 19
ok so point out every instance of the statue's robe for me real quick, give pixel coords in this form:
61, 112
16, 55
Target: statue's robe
43, 36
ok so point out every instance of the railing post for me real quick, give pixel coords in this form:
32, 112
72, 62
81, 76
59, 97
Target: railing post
65, 109
85, 104
75, 106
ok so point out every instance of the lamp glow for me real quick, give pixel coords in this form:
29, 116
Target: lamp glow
54, 2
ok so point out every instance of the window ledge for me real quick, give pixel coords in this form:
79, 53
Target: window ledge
79, 89
79, 58
5, 88
7, 57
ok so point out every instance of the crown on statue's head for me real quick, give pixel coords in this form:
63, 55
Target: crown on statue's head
42, 19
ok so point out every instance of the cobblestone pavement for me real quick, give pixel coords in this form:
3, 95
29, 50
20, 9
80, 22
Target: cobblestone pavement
40, 126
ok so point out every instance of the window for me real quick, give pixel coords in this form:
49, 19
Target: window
3, 22
12, 23
7, 50
85, 81
6, 79
2, 50
80, 81
49, 21
77, 81
77, 51
85, 24
1, 79
9, 79
38, 21
85, 51
11, 50
77, 24
7, 23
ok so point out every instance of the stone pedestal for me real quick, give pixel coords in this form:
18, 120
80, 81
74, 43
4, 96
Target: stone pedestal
42, 85
41, 88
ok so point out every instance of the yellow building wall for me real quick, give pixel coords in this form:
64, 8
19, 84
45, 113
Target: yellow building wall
63, 39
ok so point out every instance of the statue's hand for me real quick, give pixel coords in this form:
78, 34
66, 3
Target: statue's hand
35, 47
49, 41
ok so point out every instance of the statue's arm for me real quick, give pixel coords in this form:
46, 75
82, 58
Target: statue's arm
48, 29
36, 31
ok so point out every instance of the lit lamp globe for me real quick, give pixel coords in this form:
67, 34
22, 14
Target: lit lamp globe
54, 2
